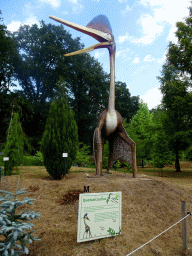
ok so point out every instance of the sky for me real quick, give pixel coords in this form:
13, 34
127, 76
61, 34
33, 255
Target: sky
142, 31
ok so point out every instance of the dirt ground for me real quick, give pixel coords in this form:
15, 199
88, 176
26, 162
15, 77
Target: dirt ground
150, 205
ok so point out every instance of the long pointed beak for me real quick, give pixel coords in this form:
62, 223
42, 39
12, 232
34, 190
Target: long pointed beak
104, 38
88, 49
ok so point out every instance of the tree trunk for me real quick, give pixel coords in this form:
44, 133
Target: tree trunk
142, 163
177, 165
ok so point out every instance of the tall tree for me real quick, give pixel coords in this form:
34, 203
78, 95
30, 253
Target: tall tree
8, 53
177, 106
179, 54
176, 88
41, 62
141, 130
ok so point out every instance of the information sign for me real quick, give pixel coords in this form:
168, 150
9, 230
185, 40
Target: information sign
65, 155
99, 215
5, 158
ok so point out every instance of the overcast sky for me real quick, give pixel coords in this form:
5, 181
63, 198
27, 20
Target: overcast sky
142, 31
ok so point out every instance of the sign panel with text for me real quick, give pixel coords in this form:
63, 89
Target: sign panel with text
99, 215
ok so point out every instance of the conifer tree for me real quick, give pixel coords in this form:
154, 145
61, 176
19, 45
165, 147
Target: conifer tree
15, 143
60, 135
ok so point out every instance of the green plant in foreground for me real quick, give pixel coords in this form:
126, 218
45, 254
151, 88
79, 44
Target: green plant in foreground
13, 226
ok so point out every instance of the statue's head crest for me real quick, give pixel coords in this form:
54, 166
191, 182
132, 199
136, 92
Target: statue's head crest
100, 23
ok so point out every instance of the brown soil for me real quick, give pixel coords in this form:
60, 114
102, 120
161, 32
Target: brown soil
150, 205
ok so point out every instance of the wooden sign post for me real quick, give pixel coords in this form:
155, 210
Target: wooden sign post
184, 226
99, 215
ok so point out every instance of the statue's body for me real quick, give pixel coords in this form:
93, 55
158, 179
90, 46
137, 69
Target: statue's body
110, 122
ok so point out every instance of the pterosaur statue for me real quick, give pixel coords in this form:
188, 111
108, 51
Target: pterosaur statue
110, 122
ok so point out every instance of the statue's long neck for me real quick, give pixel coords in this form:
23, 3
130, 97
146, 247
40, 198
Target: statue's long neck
111, 103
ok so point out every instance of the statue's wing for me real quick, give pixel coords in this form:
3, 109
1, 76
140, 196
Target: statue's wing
121, 151
122, 147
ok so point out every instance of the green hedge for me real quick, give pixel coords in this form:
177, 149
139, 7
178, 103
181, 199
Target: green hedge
27, 161
32, 161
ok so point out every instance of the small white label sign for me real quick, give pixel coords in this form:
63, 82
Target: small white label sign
65, 155
5, 158
99, 215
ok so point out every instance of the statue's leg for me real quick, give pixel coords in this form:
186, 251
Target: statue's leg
98, 151
125, 137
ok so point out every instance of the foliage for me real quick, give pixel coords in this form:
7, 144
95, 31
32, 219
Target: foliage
141, 131
38, 69
83, 157
161, 154
123, 166
32, 161
8, 53
42, 65
176, 88
179, 55
15, 144
189, 154
126, 105
177, 108
13, 225
15, 102
60, 136
88, 94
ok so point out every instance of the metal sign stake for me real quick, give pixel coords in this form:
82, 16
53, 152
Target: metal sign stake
64, 155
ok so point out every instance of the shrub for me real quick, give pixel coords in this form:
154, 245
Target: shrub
123, 167
36, 160
83, 157
60, 136
13, 225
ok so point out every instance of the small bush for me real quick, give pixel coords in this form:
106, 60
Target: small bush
13, 226
123, 167
83, 157
32, 161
